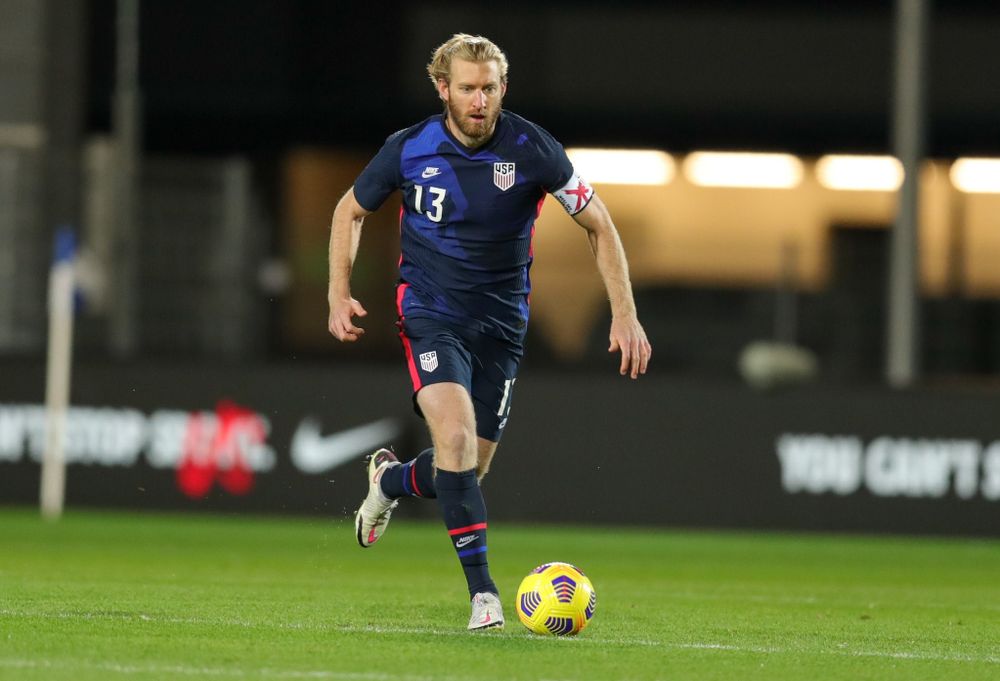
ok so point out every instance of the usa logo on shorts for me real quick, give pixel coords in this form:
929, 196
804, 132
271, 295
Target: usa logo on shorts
503, 175
429, 361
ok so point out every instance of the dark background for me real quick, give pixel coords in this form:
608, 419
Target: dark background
809, 77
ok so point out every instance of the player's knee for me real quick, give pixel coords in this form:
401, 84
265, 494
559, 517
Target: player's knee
457, 447
460, 440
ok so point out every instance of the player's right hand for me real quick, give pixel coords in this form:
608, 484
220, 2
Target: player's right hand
341, 324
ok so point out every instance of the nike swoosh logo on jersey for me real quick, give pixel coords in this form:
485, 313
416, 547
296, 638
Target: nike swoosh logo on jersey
313, 453
430, 172
466, 540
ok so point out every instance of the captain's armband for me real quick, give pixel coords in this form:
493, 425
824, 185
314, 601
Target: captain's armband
575, 195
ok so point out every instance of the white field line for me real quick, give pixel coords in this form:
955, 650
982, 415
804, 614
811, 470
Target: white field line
842, 651
158, 670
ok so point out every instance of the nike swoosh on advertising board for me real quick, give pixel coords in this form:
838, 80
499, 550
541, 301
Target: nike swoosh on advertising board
314, 453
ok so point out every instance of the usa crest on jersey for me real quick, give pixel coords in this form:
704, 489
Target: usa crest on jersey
503, 175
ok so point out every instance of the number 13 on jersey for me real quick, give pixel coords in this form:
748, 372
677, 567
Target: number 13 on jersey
436, 207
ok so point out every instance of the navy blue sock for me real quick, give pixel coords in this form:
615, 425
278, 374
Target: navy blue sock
412, 479
464, 512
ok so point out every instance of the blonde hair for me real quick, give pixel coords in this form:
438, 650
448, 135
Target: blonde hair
474, 48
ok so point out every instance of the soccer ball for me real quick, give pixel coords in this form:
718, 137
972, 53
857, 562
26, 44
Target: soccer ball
556, 599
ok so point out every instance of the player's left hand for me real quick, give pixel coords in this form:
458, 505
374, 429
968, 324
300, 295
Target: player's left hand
628, 336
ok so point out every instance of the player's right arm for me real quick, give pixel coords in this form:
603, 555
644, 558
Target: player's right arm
380, 178
345, 235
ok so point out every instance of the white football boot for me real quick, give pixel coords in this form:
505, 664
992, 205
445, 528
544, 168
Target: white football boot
373, 516
486, 612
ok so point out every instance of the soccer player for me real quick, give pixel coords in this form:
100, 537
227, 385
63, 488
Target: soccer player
473, 180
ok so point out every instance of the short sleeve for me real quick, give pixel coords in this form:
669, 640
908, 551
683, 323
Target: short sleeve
556, 168
381, 176
559, 178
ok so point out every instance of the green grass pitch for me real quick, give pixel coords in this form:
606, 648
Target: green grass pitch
102, 595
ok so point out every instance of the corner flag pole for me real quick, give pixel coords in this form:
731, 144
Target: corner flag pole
57, 378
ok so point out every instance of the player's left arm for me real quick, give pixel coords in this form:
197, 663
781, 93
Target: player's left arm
626, 333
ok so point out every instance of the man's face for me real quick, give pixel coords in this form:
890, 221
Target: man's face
474, 97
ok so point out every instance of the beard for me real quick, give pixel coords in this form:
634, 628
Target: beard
470, 127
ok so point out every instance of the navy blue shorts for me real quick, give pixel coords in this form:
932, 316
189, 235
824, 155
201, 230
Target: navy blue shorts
439, 352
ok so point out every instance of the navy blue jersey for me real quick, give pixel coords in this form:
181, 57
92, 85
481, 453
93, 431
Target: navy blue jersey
468, 217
